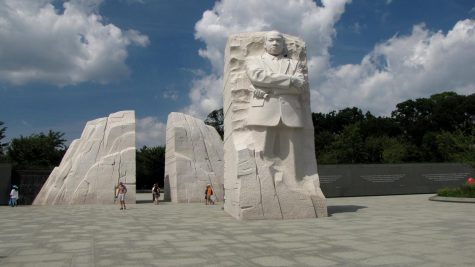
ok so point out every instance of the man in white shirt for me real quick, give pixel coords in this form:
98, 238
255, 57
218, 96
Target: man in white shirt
14, 196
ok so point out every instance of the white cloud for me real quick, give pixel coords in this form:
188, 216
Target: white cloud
150, 132
171, 94
205, 95
301, 18
403, 67
417, 65
42, 44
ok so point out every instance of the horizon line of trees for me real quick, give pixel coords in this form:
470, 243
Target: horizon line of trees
440, 128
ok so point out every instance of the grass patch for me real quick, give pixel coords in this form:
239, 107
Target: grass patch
466, 190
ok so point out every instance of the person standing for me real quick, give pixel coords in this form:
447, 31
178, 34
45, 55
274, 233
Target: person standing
122, 190
14, 196
208, 194
156, 194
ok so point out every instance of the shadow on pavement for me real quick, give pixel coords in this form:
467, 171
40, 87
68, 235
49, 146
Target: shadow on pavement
143, 201
343, 208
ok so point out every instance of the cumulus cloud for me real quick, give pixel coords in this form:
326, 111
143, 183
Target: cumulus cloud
150, 131
417, 65
40, 43
303, 18
206, 95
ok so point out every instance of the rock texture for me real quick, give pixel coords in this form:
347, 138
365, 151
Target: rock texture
258, 186
193, 159
94, 164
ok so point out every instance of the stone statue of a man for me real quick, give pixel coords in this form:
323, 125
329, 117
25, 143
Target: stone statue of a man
275, 114
270, 167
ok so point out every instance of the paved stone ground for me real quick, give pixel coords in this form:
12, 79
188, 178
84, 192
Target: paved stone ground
362, 231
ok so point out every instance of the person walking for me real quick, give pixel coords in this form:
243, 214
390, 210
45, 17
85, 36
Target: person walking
13, 196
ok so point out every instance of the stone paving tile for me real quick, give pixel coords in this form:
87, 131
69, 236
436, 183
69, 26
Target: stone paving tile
273, 261
382, 231
315, 261
391, 259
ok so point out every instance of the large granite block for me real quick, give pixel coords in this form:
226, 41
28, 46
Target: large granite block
270, 167
193, 159
94, 164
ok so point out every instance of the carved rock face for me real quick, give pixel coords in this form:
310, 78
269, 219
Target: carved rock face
193, 159
94, 164
274, 43
270, 166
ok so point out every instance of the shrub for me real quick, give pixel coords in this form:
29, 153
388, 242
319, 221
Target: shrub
466, 190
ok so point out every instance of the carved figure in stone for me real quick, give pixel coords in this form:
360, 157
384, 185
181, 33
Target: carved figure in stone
270, 166
275, 114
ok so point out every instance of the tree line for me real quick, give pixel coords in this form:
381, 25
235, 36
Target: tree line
45, 151
440, 128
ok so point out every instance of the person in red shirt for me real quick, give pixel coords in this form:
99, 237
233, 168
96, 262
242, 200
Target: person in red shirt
208, 194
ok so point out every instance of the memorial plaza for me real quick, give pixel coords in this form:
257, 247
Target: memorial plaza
399, 230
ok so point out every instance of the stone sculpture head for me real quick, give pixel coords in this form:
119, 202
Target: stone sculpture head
274, 44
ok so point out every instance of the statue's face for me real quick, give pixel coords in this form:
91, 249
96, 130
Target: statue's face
274, 44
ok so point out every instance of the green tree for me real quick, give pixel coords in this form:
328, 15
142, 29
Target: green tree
37, 150
335, 122
329, 130
2, 136
394, 151
349, 146
150, 166
452, 112
456, 147
216, 120
323, 141
379, 126
446, 111
414, 118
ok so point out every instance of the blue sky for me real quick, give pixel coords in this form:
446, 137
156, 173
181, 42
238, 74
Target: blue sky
63, 63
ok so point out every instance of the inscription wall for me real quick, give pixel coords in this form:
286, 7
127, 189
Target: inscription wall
390, 179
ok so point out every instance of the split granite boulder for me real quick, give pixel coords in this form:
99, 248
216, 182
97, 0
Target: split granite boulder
193, 159
94, 164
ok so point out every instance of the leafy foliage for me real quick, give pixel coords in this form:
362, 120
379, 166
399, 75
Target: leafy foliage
2, 136
436, 129
216, 120
37, 150
465, 190
150, 166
